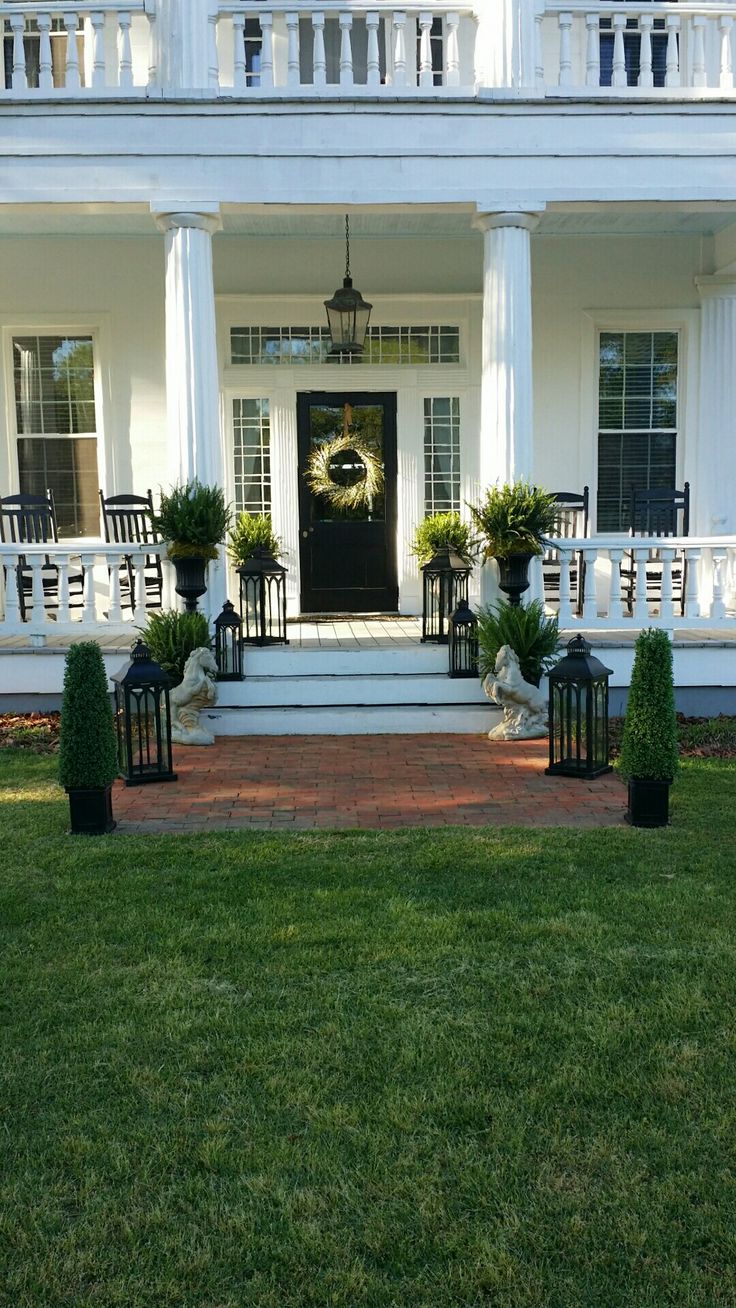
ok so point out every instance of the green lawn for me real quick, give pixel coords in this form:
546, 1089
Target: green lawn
406, 1070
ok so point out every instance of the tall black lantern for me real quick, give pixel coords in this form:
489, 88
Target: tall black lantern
229, 644
263, 599
463, 643
143, 720
445, 585
578, 714
347, 312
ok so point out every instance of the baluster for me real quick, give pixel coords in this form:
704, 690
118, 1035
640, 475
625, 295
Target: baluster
666, 611
20, 78
114, 608
319, 58
452, 50
89, 610
718, 606
151, 15
425, 50
292, 50
590, 602
539, 12
646, 73
346, 50
240, 83
619, 77
213, 58
698, 31
615, 607
565, 25
592, 51
641, 607
399, 21
97, 19
564, 617
692, 597
725, 26
45, 67
12, 600
139, 570
125, 73
672, 75
72, 79
267, 51
374, 62
62, 612
38, 616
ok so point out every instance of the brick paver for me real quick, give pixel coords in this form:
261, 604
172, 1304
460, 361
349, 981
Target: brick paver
296, 783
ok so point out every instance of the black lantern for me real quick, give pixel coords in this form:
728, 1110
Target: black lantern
445, 586
463, 644
263, 599
143, 720
229, 644
578, 714
347, 312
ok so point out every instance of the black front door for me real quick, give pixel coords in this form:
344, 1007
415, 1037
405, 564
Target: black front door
347, 503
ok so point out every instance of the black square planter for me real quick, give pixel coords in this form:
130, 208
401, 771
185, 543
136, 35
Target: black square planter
649, 803
90, 811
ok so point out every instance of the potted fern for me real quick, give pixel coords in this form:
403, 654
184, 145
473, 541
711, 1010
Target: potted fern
534, 638
171, 636
649, 754
193, 519
250, 533
444, 531
88, 762
514, 522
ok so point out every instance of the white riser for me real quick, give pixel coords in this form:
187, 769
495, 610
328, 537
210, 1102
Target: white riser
286, 692
291, 661
352, 721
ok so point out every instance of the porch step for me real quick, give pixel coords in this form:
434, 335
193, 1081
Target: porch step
359, 690
354, 720
344, 661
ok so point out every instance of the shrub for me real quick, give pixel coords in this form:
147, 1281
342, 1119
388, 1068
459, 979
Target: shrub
171, 636
88, 747
649, 745
193, 519
534, 638
515, 519
444, 531
249, 533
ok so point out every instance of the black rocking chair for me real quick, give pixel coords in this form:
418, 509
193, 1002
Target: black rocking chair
31, 520
657, 513
128, 520
572, 524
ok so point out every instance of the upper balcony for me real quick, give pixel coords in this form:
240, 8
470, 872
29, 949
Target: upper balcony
256, 49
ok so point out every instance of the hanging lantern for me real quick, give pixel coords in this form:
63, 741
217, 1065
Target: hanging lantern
347, 312
445, 585
229, 644
143, 719
263, 599
578, 714
463, 643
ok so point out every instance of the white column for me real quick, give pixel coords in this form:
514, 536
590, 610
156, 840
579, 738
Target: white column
184, 45
506, 44
714, 506
506, 435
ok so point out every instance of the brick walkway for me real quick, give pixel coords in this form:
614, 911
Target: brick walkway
295, 783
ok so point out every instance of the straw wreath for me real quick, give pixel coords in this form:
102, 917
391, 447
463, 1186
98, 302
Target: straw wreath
359, 496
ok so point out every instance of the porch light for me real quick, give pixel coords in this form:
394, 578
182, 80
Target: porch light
578, 714
463, 642
143, 719
263, 599
347, 312
229, 644
444, 588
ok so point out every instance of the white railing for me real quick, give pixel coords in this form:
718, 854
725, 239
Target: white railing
630, 49
64, 48
274, 46
677, 582
67, 605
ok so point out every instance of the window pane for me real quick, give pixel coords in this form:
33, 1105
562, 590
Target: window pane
251, 455
68, 468
441, 455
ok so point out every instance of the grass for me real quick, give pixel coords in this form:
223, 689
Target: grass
368, 1070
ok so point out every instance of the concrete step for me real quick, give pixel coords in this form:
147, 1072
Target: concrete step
358, 720
306, 661
363, 689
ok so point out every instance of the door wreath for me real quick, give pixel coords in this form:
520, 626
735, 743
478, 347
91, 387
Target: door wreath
346, 483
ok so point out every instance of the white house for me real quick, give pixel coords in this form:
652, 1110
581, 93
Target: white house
542, 209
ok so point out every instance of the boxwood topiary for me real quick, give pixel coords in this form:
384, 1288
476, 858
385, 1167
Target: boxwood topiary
649, 743
87, 749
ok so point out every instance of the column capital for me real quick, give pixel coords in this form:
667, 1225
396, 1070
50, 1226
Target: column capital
487, 222
719, 286
206, 219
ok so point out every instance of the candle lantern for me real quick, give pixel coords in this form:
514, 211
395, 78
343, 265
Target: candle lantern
263, 599
143, 719
229, 644
578, 714
463, 642
445, 585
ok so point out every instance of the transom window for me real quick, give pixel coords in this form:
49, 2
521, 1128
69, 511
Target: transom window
384, 345
252, 456
637, 420
441, 455
56, 423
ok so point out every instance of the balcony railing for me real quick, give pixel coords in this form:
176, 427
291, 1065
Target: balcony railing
68, 49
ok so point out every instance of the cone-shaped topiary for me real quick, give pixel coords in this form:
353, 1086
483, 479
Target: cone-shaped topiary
649, 744
87, 751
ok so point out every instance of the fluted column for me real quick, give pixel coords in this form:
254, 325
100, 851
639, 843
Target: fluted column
715, 462
187, 57
506, 435
506, 44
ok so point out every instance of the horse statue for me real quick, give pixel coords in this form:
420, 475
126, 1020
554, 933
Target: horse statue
198, 691
524, 706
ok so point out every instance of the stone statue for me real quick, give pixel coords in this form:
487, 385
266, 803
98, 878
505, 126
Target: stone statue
197, 691
524, 706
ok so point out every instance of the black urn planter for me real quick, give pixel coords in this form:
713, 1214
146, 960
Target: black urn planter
649, 802
90, 811
513, 575
191, 579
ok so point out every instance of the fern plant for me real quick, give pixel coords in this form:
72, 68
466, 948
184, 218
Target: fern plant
193, 519
250, 533
515, 519
171, 636
444, 531
87, 748
534, 638
649, 745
